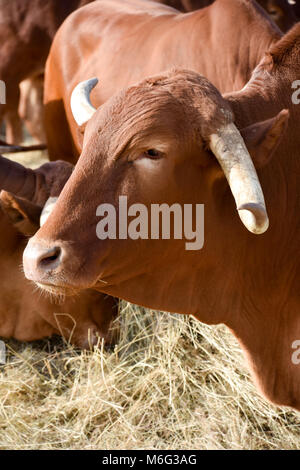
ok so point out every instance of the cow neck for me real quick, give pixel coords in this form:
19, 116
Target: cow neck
268, 322
261, 100
236, 50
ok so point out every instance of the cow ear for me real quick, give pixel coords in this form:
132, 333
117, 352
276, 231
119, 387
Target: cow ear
263, 138
23, 214
80, 133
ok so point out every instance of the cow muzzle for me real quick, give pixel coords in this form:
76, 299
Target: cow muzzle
55, 266
41, 261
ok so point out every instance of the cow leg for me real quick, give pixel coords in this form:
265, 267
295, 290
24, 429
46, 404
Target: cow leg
59, 139
13, 128
31, 107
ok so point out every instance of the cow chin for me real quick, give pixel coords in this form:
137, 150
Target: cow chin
57, 291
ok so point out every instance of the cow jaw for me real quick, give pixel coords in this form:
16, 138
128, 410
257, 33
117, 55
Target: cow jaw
56, 291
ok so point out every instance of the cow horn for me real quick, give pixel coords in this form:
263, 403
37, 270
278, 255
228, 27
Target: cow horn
230, 150
17, 179
48, 208
81, 105
8, 148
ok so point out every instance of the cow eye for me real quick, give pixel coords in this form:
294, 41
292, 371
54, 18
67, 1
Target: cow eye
153, 154
275, 13
150, 154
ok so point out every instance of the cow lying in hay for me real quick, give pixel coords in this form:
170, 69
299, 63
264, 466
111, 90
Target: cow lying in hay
25, 314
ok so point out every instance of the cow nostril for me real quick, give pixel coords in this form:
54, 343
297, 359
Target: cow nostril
50, 258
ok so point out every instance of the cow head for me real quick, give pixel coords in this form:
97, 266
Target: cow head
28, 192
281, 12
24, 313
172, 140
167, 140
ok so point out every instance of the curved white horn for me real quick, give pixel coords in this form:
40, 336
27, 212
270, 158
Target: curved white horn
48, 208
230, 150
81, 106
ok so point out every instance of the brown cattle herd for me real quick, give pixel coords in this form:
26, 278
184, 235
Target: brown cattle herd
168, 102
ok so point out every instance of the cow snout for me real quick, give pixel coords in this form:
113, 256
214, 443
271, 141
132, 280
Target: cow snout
40, 260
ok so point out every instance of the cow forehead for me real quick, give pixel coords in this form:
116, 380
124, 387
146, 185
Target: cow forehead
163, 105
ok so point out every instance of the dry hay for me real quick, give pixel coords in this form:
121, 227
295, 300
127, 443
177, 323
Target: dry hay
170, 383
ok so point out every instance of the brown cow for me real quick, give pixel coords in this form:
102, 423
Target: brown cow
223, 42
23, 55
26, 33
156, 142
31, 106
25, 314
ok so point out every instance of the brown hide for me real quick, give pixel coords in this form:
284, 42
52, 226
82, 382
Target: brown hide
250, 283
23, 54
25, 312
26, 33
149, 39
